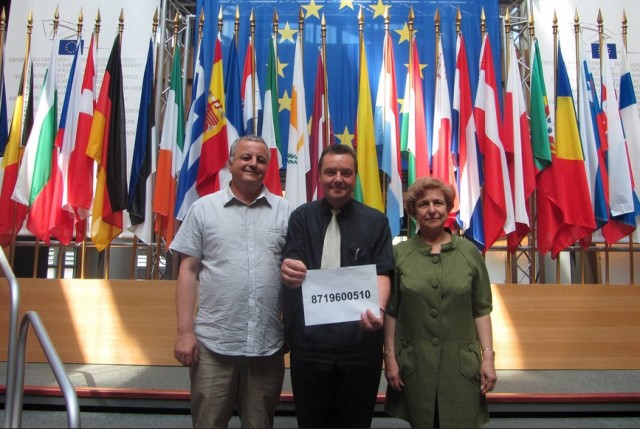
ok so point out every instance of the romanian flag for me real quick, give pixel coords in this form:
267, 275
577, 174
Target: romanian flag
367, 188
170, 156
106, 146
34, 187
565, 213
213, 173
143, 164
271, 123
13, 214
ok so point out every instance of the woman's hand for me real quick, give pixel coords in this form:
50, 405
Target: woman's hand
488, 377
392, 372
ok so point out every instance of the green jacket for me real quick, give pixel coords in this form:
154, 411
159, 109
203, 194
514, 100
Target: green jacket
435, 299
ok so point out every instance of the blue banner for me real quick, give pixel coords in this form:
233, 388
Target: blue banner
342, 36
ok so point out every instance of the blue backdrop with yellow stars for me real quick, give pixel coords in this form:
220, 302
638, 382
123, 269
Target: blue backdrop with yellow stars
342, 38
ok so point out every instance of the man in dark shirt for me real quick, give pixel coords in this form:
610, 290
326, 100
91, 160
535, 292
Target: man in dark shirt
335, 368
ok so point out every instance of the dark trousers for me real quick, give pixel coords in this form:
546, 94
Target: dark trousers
335, 389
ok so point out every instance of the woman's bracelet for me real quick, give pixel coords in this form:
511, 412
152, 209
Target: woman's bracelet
489, 350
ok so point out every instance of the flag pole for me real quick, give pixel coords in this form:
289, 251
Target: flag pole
83, 252
483, 23
25, 86
254, 102
631, 250
507, 55
555, 97
36, 248
323, 53
532, 201
603, 51
300, 33
60, 246
576, 32
236, 25
387, 25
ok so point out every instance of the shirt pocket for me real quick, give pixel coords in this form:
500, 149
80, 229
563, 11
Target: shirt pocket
406, 356
470, 361
274, 238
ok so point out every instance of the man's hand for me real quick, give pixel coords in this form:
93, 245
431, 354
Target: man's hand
293, 272
369, 322
186, 349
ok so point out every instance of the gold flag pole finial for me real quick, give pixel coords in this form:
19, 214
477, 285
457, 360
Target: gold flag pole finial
154, 25
236, 24
387, 19
176, 30
624, 29
600, 22
220, 20
275, 22
576, 32
56, 20
458, 21
96, 27
301, 31
507, 31
412, 18
121, 24
483, 22
200, 24
436, 21
360, 19
532, 27
80, 23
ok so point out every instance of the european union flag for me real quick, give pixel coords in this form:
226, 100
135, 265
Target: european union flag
68, 46
611, 49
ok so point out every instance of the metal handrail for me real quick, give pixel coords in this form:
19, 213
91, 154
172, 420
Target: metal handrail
16, 358
14, 311
70, 396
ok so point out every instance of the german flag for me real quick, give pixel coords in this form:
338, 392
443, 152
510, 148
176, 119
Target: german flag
107, 146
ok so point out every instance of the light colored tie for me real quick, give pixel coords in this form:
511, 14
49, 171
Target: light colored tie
331, 246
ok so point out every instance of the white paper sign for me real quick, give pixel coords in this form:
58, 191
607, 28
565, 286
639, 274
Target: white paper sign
340, 294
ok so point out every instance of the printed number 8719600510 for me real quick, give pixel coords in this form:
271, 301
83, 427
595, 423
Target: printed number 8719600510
340, 296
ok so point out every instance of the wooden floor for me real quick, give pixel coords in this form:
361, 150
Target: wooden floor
534, 326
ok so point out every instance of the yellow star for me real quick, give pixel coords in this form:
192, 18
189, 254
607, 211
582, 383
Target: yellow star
379, 9
404, 33
281, 67
345, 137
422, 66
285, 102
401, 102
346, 3
286, 33
312, 9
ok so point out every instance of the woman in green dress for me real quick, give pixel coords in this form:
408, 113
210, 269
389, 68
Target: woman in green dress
439, 358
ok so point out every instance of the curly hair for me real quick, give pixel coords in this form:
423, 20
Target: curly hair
421, 186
